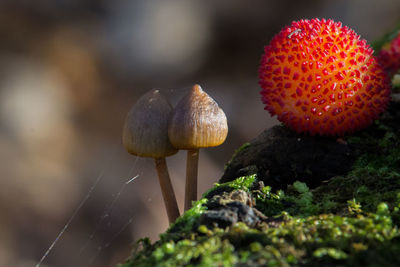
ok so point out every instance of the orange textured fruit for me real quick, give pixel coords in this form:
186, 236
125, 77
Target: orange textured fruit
389, 56
318, 77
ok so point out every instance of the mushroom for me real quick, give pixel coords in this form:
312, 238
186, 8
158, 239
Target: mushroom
197, 121
145, 134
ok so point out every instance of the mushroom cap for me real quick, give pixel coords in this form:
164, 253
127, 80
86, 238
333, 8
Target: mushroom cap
197, 121
145, 132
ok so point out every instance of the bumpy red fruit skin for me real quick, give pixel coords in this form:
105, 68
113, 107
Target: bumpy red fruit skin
389, 56
318, 77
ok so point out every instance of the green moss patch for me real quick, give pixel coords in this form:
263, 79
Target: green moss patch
358, 239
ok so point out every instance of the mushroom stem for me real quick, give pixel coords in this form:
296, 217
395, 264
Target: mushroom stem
167, 190
191, 177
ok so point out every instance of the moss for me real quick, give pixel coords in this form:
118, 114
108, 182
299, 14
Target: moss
241, 183
311, 241
352, 237
184, 224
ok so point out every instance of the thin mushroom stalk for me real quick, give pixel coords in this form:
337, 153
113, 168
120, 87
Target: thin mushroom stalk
192, 163
196, 122
145, 134
167, 189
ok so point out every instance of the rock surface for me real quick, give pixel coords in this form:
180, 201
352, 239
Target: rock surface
279, 157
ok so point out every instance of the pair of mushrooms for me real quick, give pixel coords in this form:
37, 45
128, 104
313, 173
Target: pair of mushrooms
154, 129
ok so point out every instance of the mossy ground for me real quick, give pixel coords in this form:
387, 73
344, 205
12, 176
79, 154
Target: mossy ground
349, 220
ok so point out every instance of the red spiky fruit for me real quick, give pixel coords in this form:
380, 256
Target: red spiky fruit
389, 56
318, 77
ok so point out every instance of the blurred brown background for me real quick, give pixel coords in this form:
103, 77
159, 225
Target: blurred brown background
69, 72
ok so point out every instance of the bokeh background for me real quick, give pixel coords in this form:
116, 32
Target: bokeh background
69, 72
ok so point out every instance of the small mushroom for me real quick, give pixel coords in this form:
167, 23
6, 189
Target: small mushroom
145, 134
197, 121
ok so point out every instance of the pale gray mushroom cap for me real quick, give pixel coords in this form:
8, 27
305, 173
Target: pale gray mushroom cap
197, 121
145, 131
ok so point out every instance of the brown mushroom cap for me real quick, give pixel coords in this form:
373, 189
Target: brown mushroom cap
145, 132
197, 121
